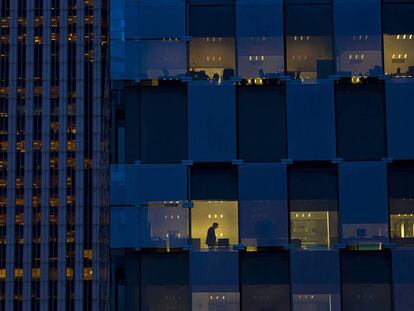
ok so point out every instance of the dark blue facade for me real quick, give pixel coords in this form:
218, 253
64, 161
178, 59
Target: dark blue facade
286, 122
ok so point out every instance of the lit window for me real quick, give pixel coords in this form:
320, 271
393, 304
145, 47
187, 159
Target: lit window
214, 224
212, 47
358, 45
260, 42
401, 191
313, 206
309, 40
398, 39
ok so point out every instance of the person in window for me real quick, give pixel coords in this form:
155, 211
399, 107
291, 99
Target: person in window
211, 239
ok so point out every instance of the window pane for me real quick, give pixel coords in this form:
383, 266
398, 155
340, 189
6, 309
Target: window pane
360, 117
263, 205
211, 122
403, 278
213, 182
317, 288
366, 281
212, 48
260, 42
358, 45
126, 280
214, 224
163, 59
164, 124
401, 193
164, 225
309, 40
398, 39
215, 280
400, 125
363, 202
311, 121
313, 206
159, 19
165, 281
124, 230
265, 281
262, 123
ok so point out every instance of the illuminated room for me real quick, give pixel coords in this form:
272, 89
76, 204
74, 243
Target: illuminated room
309, 41
260, 42
212, 44
205, 213
313, 206
358, 46
401, 203
167, 225
398, 37
214, 214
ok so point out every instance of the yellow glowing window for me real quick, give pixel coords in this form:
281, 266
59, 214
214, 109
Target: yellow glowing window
204, 214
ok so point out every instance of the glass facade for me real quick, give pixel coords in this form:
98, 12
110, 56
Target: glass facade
54, 156
261, 155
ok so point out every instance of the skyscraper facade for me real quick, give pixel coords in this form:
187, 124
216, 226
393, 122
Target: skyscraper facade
53, 193
262, 155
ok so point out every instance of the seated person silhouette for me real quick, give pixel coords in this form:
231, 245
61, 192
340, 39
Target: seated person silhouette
211, 239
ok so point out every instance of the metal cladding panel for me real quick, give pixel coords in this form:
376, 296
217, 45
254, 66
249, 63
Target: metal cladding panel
311, 121
136, 184
214, 271
211, 122
363, 201
159, 19
400, 125
322, 278
125, 227
263, 204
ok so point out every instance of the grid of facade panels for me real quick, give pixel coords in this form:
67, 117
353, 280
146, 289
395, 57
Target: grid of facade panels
261, 155
53, 155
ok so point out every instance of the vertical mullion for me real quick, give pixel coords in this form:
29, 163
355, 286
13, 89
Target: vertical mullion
28, 159
62, 155
80, 142
97, 163
45, 155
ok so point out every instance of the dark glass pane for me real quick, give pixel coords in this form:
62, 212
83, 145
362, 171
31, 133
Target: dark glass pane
265, 281
262, 123
164, 124
360, 116
366, 278
213, 182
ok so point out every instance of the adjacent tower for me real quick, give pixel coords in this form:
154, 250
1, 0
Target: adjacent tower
53, 155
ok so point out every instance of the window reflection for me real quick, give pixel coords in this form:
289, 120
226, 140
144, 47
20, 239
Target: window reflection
315, 302
215, 301
215, 280
165, 282
260, 42
398, 33
214, 224
163, 59
212, 45
309, 41
167, 224
358, 45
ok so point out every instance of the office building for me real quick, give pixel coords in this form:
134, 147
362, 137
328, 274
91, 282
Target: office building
53, 152
288, 124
